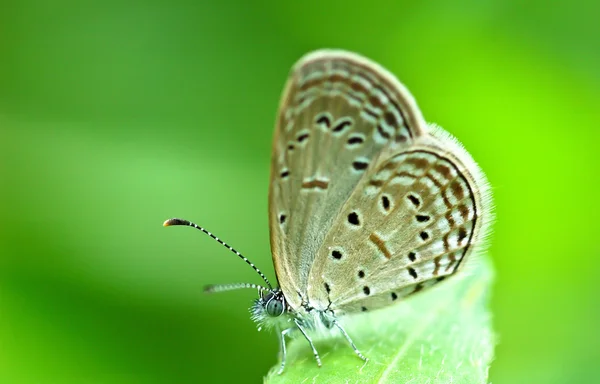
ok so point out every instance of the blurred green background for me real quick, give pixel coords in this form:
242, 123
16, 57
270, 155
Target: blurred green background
116, 115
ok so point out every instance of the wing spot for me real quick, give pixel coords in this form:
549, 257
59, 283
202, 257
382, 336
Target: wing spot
382, 132
327, 288
376, 183
315, 184
380, 244
285, 174
371, 113
447, 202
353, 218
357, 87
412, 256
302, 137
444, 170
462, 234
424, 235
364, 309
445, 242
323, 119
355, 140
336, 254
361, 273
450, 218
341, 125
360, 165
414, 199
436, 262
394, 296
291, 147
419, 163
422, 218
385, 202
366, 290
452, 258
375, 101
412, 272
464, 211
282, 218
457, 189
390, 119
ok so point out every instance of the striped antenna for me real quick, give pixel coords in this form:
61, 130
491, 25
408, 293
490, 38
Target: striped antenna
213, 288
171, 222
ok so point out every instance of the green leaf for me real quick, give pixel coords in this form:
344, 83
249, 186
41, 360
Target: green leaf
442, 335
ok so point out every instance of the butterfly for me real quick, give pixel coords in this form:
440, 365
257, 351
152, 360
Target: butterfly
368, 204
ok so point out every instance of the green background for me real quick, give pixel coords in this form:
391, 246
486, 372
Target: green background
116, 115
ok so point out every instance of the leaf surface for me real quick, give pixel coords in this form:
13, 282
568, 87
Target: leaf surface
442, 335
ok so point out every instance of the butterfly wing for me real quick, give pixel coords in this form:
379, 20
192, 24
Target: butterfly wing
340, 115
412, 222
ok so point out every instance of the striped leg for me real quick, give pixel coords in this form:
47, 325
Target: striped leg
309, 342
282, 350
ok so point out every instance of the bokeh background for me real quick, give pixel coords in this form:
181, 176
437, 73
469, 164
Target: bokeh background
116, 115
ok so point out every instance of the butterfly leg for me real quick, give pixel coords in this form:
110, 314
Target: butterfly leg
349, 340
282, 350
309, 342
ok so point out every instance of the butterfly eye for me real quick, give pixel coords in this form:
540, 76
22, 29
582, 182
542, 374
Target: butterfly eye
274, 307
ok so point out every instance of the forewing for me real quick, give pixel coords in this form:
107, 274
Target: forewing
339, 116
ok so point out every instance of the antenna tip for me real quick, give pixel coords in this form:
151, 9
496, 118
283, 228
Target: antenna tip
209, 289
171, 222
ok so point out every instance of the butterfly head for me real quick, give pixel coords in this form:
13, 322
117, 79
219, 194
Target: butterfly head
271, 305
273, 302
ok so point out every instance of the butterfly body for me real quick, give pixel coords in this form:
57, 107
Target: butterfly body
368, 204
313, 319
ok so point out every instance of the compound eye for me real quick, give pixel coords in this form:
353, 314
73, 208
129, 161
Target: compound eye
274, 307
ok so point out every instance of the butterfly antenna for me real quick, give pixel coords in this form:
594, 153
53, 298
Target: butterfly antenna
230, 287
172, 222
